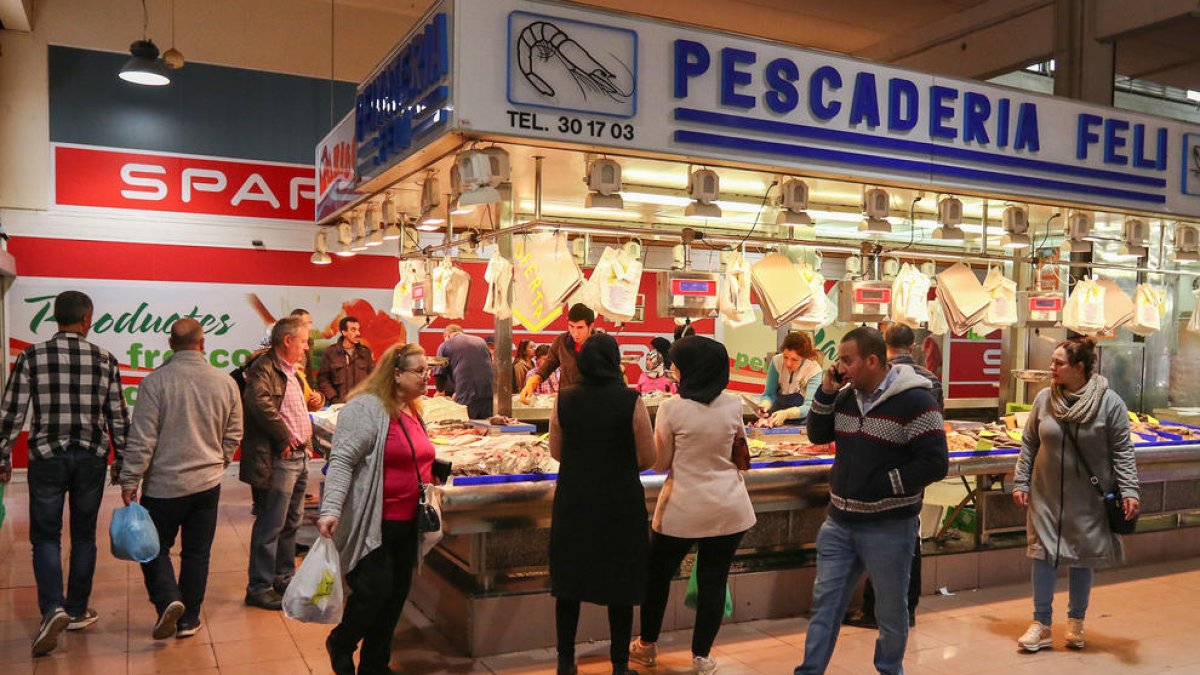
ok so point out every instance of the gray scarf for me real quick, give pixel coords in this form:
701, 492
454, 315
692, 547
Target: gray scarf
1080, 408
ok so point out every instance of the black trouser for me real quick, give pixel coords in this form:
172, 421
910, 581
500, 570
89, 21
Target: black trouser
714, 555
914, 587
77, 475
196, 516
379, 585
620, 631
480, 409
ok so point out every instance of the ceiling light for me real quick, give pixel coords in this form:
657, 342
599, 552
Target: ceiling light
374, 232
1016, 224
359, 243
1187, 243
793, 204
704, 186
1079, 228
949, 233
950, 211
320, 254
876, 207
345, 239
874, 225
144, 66
480, 172
430, 201
604, 185
1137, 238
391, 229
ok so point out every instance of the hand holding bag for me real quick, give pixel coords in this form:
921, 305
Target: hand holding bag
133, 534
1113, 504
315, 594
741, 453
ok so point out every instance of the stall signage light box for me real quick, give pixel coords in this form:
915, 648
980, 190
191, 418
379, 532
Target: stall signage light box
568, 74
406, 102
335, 163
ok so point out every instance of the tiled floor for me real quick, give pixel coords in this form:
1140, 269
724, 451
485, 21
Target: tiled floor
1141, 620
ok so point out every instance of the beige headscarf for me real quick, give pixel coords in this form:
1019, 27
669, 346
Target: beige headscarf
1079, 408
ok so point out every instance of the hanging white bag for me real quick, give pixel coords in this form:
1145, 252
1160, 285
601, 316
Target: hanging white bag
1149, 306
1003, 291
1084, 311
315, 594
734, 303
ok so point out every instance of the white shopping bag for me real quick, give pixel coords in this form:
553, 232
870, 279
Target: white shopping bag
315, 594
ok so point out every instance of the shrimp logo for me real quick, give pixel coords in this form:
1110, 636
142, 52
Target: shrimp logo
572, 65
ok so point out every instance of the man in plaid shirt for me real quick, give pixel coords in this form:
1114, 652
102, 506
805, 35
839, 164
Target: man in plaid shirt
78, 415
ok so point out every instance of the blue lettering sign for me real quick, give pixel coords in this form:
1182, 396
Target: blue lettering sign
825, 75
1085, 136
1002, 107
940, 112
782, 96
732, 78
691, 60
903, 100
865, 104
1026, 136
978, 109
1114, 139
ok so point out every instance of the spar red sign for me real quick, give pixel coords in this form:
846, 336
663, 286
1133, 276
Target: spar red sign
89, 176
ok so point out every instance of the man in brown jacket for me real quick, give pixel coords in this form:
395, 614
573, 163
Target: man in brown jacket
345, 363
275, 448
562, 351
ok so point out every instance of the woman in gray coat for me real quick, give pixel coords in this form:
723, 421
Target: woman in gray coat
1066, 522
370, 505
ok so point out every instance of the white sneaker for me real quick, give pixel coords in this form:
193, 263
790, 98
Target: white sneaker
1035, 638
643, 653
703, 665
1075, 634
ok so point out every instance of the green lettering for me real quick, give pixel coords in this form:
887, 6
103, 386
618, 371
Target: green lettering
171, 322
130, 395
219, 358
167, 356
226, 325
742, 360
756, 364
151, 355
240, 356
42, 314
103, 324
134, 349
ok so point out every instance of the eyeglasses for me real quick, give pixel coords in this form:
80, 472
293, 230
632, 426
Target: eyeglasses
422, 373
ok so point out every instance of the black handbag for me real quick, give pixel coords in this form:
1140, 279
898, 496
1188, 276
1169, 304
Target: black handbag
1111, 497
428, 518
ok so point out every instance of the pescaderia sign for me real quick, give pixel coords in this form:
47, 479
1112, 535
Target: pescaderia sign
563, 73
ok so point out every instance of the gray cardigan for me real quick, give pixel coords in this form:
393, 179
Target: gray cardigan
354, 482
1046, 463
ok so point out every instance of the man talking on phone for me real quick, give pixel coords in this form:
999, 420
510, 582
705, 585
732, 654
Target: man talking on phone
890, 445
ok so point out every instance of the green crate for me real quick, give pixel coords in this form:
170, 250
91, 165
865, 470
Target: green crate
966, 520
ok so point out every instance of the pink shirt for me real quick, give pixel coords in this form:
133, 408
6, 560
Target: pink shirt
293, 408
399, 479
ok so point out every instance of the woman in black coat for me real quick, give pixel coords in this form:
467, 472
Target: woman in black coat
600, 432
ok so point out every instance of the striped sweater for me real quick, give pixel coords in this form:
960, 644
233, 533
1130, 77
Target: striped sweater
886, 458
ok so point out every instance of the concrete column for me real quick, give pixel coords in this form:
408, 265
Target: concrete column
1084, 67
503, 363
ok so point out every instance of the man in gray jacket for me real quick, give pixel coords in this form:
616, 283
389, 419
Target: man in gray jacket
186, 426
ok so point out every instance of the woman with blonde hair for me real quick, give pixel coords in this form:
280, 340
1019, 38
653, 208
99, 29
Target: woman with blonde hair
381, 461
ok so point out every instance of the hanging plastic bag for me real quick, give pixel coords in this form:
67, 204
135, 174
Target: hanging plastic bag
1149, 306
433, 496
499, 276
402, 298
937, 318
133, 534
545, 275
816, 313
1084, 311
442, 273
734, 302
910, 297
1003, 292
693, 592
619, 276
315, 594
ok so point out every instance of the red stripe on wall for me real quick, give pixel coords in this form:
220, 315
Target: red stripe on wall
77, 259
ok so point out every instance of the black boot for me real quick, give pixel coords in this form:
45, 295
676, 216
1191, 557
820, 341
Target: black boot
623, 669
341, 662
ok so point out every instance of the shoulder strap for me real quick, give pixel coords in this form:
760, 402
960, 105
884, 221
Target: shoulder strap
416, 469
1071, 435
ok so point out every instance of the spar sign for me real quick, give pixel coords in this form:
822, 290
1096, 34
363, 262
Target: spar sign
132, 319
154, 181
335, 169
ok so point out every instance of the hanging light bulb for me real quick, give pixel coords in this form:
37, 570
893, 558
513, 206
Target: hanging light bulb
345, 239
320, 254
391, 229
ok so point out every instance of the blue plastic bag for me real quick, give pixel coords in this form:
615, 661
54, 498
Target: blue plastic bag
133, 534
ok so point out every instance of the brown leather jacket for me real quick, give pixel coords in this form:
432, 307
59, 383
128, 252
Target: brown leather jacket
340, 372
266, 434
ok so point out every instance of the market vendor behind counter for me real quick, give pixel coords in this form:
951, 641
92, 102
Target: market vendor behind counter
563, 352
793, 377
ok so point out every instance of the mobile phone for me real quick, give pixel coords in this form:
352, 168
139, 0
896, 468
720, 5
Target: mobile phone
837, 375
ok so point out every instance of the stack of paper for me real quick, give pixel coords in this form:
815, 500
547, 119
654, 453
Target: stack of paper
964, 301
782, 292
1118, 306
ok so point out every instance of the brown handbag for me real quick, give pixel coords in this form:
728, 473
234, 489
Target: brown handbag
741, 453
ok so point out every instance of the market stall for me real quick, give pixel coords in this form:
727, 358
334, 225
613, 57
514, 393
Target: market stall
673, 178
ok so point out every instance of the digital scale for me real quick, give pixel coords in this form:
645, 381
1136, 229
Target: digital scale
1040, 309
422, 297
864, 301
684, 294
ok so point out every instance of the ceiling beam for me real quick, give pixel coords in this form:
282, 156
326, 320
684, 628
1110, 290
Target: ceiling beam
16, 15
1118, 18
953, 28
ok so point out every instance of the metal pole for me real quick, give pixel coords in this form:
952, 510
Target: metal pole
503, 362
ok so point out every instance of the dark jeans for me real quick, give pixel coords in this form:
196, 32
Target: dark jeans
379, 585
620, 630
273, 538
77, 475
196, 515
714, 555
914, 586
480, 410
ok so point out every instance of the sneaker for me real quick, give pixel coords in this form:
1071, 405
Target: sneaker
186, 629
268, 599
1035, 638
52, 626
643, 653
703, 665
81, 621
1075, 634
165, 626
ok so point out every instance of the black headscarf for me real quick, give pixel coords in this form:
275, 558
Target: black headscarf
599, 361
663, 346
703, 367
